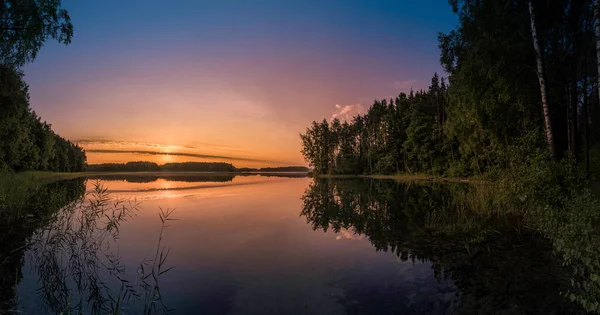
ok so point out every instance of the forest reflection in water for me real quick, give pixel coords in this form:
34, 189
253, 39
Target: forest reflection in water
498, 265
451, 260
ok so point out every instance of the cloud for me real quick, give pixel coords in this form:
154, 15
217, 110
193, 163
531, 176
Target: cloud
348, 235
120, 143
404, 86
347, 112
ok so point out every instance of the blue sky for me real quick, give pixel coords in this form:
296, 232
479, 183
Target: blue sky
230, 72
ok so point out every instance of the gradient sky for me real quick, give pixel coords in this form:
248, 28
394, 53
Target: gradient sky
233, 79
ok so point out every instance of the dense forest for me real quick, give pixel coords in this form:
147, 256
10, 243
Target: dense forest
27, 142
519, 109
522, 77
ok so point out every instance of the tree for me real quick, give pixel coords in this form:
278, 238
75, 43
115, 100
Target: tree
540, 73
597, 38
395, 135
26, 24
27, 143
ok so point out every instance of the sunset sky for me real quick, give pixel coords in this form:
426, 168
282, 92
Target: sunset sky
233, 81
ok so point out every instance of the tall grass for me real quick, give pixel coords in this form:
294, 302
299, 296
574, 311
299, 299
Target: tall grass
78, 267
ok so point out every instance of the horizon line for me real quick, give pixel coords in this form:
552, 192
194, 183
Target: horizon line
196, 155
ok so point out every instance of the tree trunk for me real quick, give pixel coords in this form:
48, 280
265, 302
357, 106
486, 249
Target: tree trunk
540, 73
574, 131
586, 128
597, 26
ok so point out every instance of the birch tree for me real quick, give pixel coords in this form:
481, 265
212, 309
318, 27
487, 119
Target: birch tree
542, 81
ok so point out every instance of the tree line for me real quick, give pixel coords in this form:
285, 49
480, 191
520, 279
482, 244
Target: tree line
144, 166
285, 169
27, 142
522, 76
404, 134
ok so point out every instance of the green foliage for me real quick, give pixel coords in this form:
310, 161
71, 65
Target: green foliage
26, 24
492, 101
70, 237
24, 196
551, 197
594, 163
27, 143
404, 134
25, 205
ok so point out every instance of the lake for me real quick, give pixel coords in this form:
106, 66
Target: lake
200, 244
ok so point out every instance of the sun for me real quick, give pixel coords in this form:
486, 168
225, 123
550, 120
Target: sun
167, 158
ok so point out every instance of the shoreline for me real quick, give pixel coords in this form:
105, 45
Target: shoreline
43, 175
401, 177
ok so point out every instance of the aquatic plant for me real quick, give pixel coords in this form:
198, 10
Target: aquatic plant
79, 270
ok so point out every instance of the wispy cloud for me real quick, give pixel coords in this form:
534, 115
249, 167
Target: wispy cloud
207, 156
404, 86
348, 235
347, 112
121, 143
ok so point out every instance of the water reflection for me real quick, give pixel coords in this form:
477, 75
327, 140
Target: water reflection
73, 251
499, 267
183, 184
174, 177
193, 177
40, 204
244, 247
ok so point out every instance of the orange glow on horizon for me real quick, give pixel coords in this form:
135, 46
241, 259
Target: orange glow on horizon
121, 152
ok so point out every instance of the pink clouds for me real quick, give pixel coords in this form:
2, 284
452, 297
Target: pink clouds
404, 86
347, 112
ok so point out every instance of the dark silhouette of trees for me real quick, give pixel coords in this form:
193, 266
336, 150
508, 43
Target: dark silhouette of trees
405, 134
26, 24
142, 166
502, 91
26, 142
198, 167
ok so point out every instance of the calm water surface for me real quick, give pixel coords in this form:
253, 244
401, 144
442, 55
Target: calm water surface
278, 245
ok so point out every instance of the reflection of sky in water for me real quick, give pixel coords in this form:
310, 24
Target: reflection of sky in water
242, 248
161, 188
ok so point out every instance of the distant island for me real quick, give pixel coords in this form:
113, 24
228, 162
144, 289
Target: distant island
144, 166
